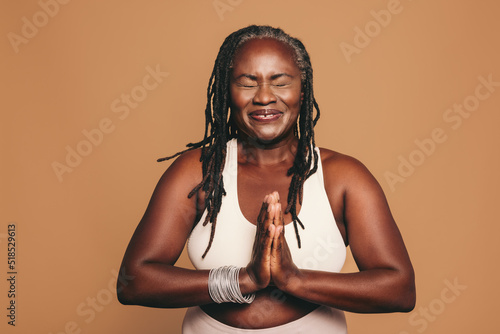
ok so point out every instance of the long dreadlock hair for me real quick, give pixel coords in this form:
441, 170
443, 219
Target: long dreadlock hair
219, 128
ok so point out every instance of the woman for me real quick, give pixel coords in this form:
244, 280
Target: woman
263, 263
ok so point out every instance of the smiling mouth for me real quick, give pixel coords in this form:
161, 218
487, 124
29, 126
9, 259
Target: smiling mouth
265, 115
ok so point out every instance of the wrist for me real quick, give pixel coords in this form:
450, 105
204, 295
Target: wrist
247, 284
293, 283
224, 286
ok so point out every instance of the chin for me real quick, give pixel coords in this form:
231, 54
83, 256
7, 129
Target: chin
267, 139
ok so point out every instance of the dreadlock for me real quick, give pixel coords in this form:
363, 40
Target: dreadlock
219, 129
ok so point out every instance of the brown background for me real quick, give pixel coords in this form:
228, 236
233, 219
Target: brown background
72, 232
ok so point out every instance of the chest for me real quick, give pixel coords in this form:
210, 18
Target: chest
253, 184
322, 244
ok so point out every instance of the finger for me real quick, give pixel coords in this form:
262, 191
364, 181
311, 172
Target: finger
278, 220
270, 215
279, 226
270, 228
262, 232
276, 248
262, 213
265, 243
271, 198
277, 196
263, 226
278, 236
274, 197
272, 231
263, 210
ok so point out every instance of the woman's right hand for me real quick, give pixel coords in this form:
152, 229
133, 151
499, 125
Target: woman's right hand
259, 268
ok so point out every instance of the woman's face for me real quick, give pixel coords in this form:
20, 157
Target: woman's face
265, 91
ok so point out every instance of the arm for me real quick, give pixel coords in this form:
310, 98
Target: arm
158, 242
160, 238
385, 281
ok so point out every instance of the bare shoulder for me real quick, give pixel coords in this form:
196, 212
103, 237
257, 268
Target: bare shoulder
186, 169
188, 159
180, 178
344, 170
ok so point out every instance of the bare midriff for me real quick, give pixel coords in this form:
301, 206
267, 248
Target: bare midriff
271, 307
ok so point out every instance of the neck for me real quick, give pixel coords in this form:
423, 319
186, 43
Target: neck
267, 154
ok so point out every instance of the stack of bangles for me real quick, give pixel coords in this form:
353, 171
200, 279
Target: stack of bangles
224, 286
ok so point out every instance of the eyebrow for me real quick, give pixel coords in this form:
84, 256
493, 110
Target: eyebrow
254, 78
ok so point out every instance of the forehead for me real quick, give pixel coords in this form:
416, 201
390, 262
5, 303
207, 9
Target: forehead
264, 54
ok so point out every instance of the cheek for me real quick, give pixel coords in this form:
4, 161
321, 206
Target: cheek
236, 108
240, 98
292, 98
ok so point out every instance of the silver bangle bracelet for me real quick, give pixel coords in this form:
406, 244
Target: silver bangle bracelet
224, 287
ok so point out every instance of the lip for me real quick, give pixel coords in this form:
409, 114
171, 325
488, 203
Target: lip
265, 115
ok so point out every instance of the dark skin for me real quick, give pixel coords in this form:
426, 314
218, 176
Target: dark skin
266, 97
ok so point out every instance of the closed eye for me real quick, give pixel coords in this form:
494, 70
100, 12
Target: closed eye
246, 85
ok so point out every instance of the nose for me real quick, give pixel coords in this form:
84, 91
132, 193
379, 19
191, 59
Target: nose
264, 95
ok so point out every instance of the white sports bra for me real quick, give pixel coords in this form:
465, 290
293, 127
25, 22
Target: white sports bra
322, 245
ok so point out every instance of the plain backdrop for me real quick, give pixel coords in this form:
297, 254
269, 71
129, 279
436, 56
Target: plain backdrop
410, 88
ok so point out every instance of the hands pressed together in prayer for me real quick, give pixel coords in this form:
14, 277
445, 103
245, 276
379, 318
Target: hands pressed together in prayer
271, 262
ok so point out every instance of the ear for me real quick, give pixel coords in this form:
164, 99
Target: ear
301, 96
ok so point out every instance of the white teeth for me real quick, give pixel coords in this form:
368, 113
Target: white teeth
264, 116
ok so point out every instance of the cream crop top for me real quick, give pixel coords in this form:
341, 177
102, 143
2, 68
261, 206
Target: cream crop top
322, 245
